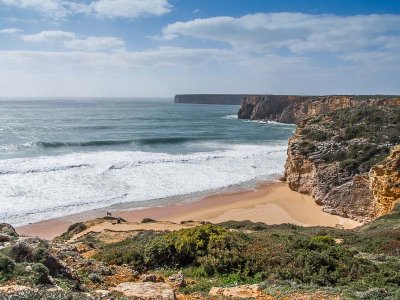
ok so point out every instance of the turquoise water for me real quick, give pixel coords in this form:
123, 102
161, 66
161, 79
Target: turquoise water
59, 157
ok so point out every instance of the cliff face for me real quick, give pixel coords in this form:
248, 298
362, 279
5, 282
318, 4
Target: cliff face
210, 99
294, 109
330, 158
385, 182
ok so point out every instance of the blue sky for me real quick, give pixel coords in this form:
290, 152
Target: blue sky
163, 47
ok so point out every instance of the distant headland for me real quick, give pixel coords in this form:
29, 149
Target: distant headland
224, 99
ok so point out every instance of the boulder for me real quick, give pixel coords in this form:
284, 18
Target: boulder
177, 280
240, 291
11, 289
146, 290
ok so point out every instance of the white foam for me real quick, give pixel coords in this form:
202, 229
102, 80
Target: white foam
34, 189
230, 117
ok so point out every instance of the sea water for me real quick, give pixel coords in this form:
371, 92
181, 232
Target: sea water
65, 156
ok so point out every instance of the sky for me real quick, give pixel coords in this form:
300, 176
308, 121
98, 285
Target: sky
159, 48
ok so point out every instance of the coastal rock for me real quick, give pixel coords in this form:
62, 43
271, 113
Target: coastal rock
209, 99
146, 290
8, 230
330, 157
240, 291
385, 182
294, 109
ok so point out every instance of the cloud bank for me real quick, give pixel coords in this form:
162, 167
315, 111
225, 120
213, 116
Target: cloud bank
279, 52
101, 8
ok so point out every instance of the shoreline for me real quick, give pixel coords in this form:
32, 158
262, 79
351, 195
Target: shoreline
270, 203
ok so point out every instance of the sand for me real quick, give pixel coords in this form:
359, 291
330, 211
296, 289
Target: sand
272, 203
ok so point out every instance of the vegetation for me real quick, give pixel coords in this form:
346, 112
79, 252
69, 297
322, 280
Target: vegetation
356, 263
356, 137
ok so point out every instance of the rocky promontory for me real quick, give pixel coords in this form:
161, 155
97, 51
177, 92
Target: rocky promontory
294, 109
341, 160
222, 99
339, 153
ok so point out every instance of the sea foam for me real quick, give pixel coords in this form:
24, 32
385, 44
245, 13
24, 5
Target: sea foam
39, 188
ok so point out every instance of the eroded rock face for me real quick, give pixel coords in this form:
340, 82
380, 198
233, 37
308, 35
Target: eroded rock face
294, 109
330, 157
146, 290
385, 182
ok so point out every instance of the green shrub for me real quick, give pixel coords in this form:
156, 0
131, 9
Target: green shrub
324, 239
41, 274
22, 252
306, 148
7, 265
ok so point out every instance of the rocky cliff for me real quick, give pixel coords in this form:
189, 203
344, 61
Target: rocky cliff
330, 157
210, 99
385, 182
294, 109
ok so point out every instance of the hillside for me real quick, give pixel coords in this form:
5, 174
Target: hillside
264, 262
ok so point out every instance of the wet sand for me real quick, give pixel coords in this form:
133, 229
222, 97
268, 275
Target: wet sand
271, 203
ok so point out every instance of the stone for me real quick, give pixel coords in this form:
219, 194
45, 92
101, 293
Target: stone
178, 280
146, 290
151, 278
10, 289
240, 291
102, 293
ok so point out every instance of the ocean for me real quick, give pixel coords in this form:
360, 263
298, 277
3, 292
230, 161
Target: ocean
65, 156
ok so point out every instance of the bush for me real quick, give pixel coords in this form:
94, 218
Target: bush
7, 265
22, 252
182, 248
41, 275
42, 255
306, 148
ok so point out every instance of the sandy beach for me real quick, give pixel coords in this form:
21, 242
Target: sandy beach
271, 203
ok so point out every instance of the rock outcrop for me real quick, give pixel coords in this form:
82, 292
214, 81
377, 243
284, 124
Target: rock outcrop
146, 290
240, 291
330, 157
294, 109
385, 182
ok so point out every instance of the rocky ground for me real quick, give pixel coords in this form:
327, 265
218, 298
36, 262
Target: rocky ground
88, 263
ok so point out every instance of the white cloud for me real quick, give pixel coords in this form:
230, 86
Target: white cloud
94, 43
49, 36
130, 8
50, 8
11, 31
295, 31
169, 70
59, 9
70, 40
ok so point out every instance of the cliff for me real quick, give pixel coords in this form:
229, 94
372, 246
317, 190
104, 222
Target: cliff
210, 99
294, 109
385, 182
330, 157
